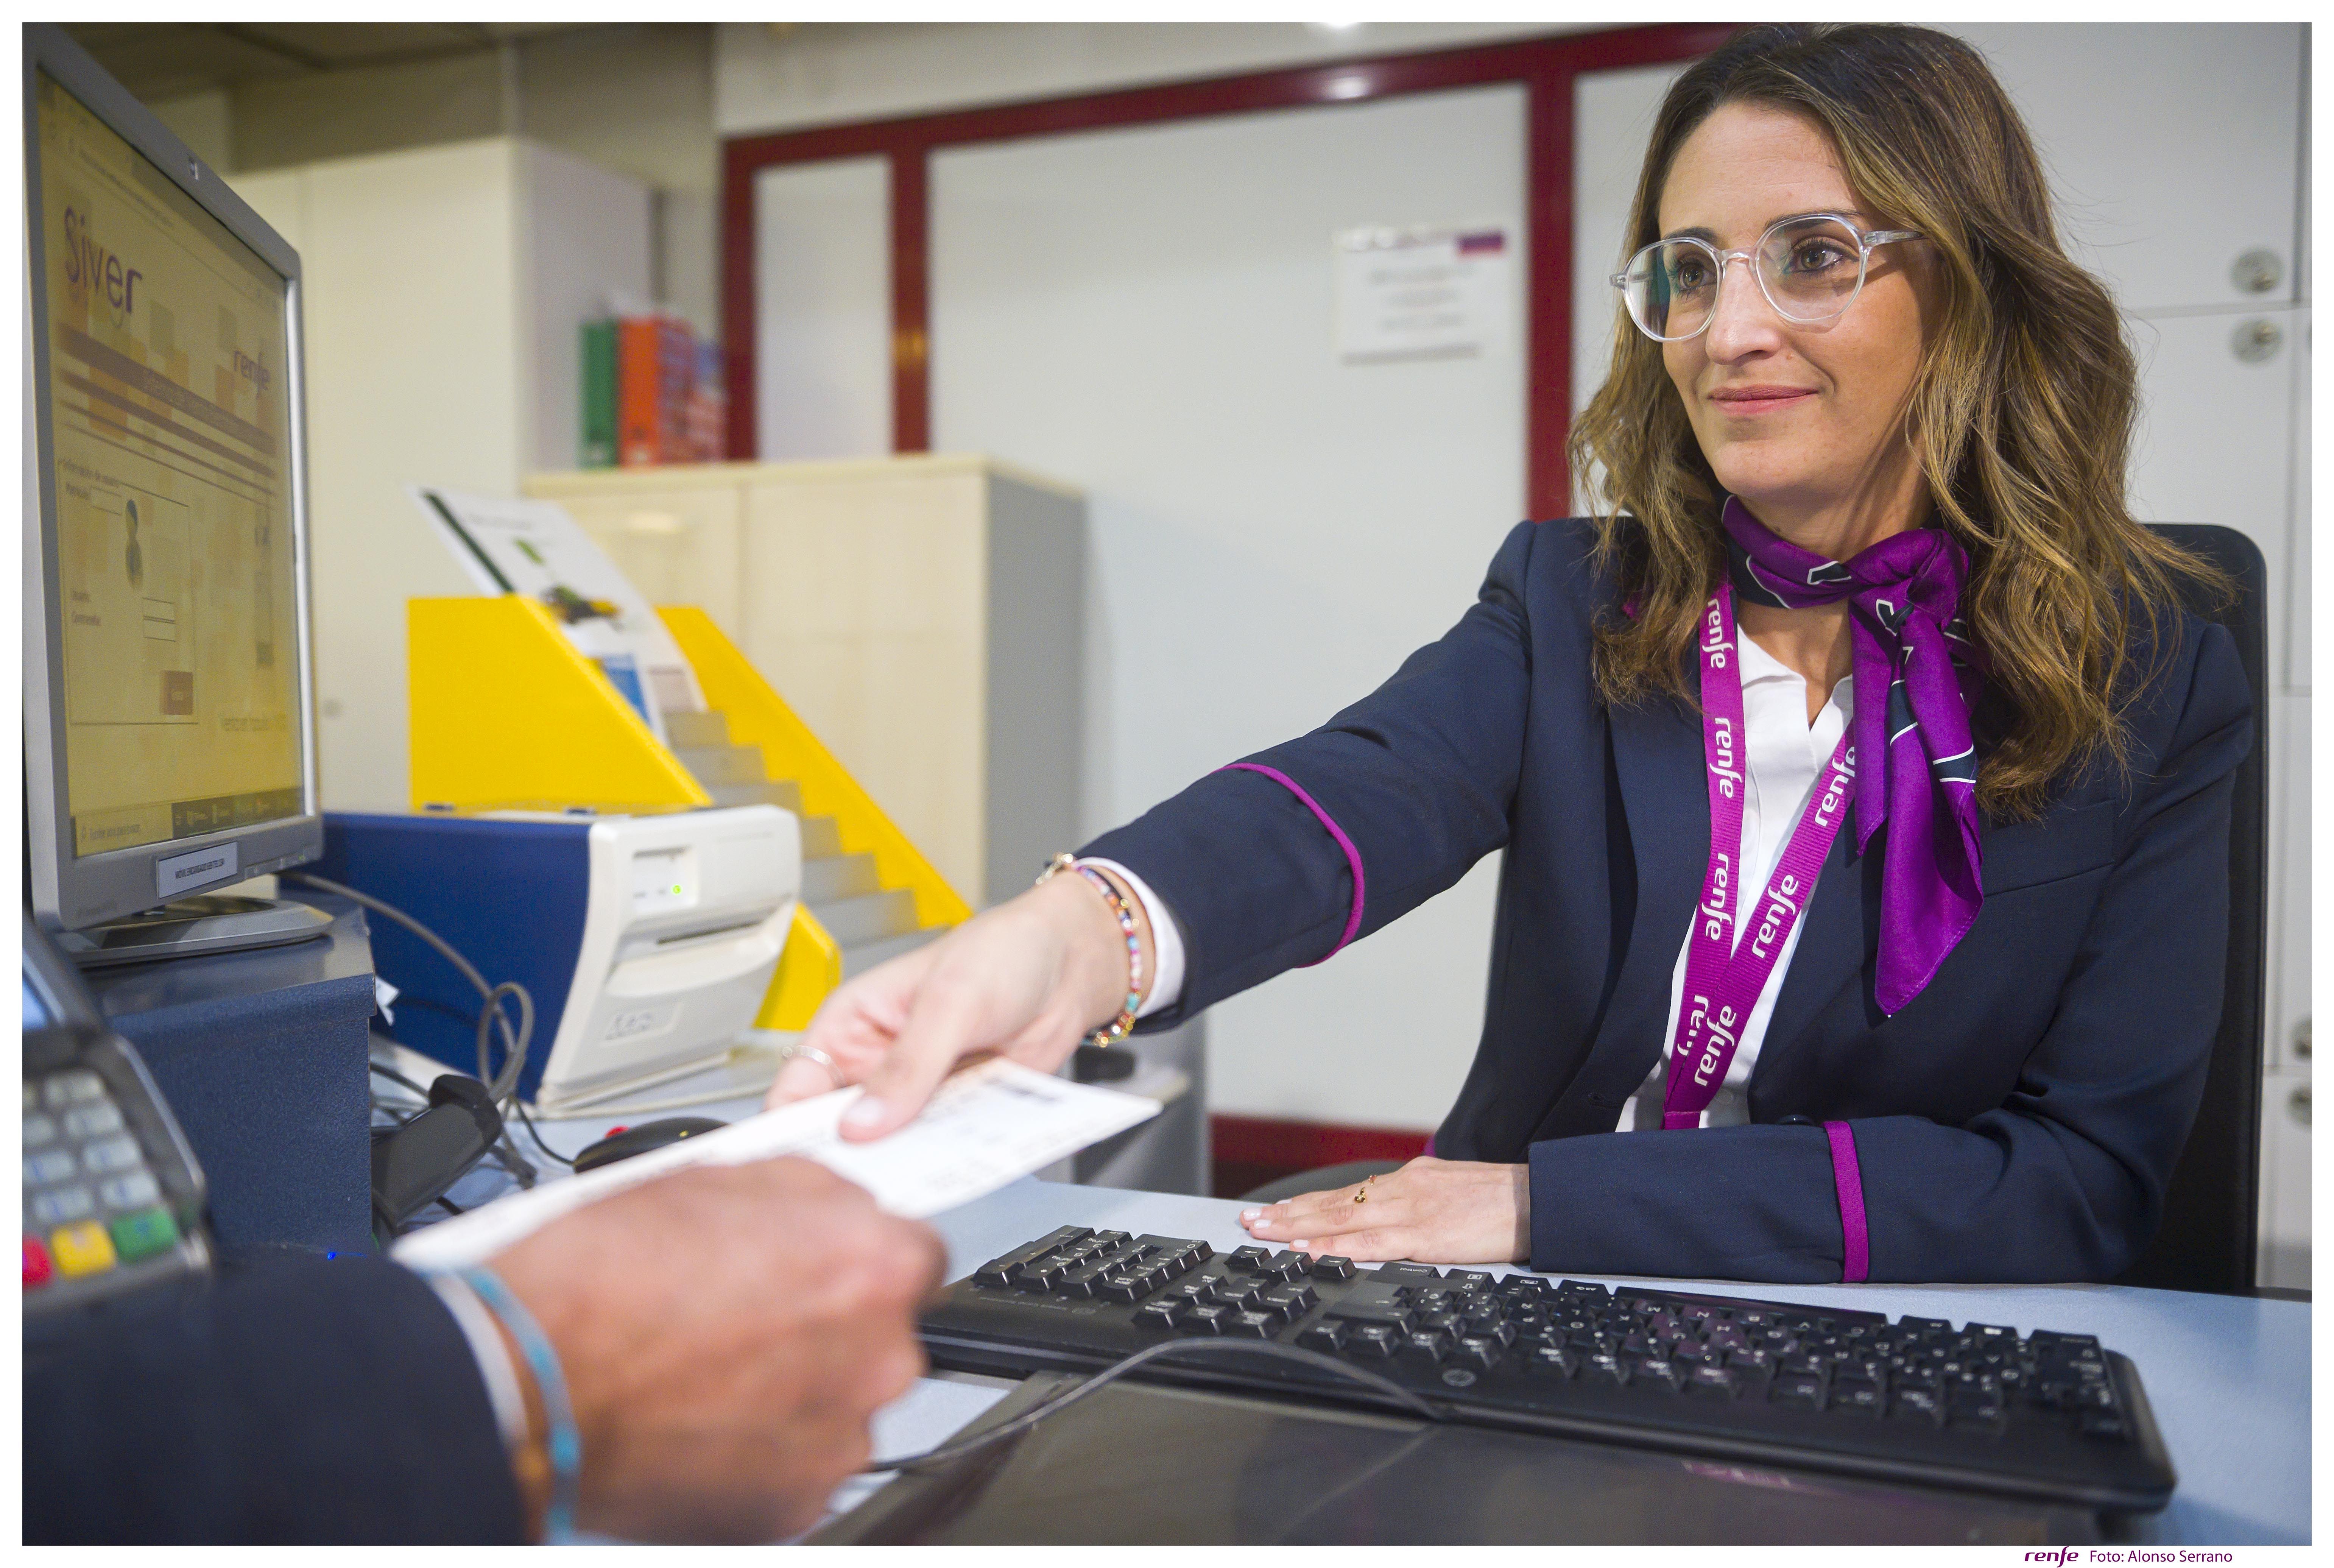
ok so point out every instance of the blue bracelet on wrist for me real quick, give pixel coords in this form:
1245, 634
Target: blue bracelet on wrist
564, 1444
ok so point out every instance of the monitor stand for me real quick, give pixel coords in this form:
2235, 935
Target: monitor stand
193, 927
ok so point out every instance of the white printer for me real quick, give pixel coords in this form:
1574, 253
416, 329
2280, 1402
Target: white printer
646, 942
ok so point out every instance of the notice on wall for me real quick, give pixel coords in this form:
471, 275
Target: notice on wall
1422, 292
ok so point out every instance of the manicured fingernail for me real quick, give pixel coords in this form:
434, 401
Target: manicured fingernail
1248, 1216
1300, 1246
865, 1111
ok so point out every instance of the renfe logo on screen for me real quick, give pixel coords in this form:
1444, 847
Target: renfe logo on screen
90, 264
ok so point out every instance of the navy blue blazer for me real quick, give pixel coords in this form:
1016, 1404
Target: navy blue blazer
303, 1401
2018, 1120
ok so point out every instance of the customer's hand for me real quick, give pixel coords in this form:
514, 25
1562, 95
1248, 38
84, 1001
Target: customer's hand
725, 1332
1431, 1211
1025, 980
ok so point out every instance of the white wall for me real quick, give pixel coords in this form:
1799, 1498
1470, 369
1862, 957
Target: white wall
1147, 314
584, 233
823, 310
1612, 119
204, 121
444, 289
783, 80
637, 100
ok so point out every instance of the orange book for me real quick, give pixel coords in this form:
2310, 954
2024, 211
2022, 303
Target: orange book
638, 417
656, 365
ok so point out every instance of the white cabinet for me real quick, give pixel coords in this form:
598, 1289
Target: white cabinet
446, 287
922, 615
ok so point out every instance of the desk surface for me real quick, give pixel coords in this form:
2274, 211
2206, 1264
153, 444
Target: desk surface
2228, 1376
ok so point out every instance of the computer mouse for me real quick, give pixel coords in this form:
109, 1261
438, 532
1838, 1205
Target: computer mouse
624, 1142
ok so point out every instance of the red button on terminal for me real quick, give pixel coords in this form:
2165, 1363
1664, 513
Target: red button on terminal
37, 1264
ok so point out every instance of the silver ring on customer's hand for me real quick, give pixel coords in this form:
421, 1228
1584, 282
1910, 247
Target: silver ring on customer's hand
813, 1053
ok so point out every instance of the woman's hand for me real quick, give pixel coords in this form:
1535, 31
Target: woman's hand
1025, 980
1431, 1211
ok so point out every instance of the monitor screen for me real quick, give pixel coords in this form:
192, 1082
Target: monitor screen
166, 391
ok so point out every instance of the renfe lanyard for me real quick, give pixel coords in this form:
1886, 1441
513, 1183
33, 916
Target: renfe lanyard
1724, 976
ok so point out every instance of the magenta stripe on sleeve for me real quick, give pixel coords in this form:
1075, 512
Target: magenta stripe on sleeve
1847, 1181
1352, 856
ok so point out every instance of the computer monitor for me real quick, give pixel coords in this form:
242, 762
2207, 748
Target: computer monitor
169, 747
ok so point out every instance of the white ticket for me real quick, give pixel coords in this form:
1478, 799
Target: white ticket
986, 1125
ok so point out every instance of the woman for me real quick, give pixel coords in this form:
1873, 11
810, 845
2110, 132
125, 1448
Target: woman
1863, 792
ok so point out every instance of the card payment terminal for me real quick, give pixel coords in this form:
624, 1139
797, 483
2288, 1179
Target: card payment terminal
113, 1199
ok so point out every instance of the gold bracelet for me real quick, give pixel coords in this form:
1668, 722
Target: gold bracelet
1116, 1030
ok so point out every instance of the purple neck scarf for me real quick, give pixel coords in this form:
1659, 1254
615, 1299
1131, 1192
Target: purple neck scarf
1916, 765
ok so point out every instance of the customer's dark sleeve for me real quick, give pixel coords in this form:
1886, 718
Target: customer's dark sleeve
324, 1401
2065, 1180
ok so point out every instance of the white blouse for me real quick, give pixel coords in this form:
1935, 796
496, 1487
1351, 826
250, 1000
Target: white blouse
1783, 756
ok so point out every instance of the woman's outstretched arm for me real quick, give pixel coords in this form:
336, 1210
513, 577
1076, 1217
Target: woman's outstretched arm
1265, 867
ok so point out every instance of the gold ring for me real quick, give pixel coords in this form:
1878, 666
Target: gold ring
1362, 1193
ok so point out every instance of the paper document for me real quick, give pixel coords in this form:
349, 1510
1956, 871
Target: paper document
986, 1125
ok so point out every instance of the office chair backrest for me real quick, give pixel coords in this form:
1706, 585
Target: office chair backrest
2209, 1236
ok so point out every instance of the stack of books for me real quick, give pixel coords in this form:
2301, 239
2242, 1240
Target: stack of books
652, 394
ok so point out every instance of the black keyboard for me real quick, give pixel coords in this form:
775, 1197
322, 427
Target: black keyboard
2048, 1416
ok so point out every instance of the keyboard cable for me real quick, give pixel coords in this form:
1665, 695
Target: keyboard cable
1053, 1404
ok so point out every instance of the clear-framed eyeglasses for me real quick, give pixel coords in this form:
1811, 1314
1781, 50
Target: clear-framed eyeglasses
1810, 267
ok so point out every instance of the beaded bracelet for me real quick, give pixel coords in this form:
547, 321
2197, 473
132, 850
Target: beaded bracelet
564, 1443
1116, 1030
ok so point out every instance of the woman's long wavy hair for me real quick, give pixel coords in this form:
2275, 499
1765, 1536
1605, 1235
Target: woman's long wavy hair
2020, 412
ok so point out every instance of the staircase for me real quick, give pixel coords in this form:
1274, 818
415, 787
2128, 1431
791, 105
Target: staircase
870, 922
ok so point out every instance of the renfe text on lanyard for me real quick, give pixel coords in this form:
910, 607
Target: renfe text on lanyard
1727, 961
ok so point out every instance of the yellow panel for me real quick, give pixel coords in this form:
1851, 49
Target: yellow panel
506, 715
759, 716
810, 966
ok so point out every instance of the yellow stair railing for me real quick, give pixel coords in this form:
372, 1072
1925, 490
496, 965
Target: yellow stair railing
759, 717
